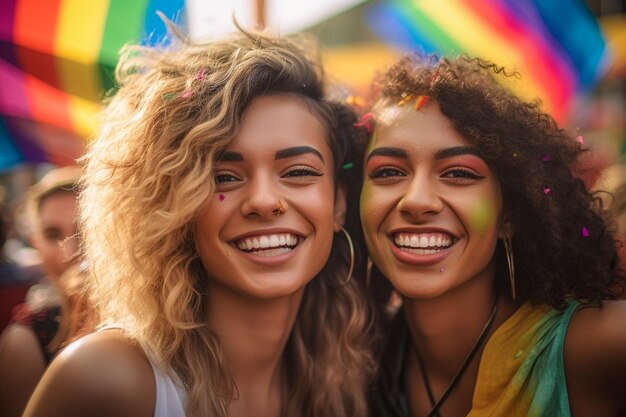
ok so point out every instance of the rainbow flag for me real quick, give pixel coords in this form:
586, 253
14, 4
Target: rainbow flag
557, 46
56, 63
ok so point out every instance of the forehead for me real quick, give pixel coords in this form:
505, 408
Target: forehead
416, 129
58, 207
279, 121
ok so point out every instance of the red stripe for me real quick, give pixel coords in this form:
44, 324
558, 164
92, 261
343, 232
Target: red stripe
541, 60
34, 34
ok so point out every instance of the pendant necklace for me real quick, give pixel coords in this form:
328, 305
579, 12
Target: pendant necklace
436, 405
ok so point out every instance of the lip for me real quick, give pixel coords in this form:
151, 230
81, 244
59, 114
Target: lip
267, 260
412, 258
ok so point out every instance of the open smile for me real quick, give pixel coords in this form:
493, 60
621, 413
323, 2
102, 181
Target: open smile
274, 244
423, 243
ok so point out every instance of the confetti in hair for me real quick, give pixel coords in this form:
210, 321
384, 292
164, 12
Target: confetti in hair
580, 140
421, 101
585, 232
168, 96
187, 94
405, 99
546, 190
546, 158
366, 122
347, 166
200, 74
222, 197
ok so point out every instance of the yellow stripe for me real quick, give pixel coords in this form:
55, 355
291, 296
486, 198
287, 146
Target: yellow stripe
84, 114
77, 44
476, 39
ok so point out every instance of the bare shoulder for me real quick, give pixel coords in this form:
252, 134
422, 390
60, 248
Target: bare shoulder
595, 358
101, 374
22, 363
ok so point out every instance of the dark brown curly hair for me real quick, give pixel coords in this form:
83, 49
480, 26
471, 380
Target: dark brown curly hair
562, 247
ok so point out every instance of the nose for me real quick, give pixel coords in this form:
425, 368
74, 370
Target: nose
262, 199
421, 199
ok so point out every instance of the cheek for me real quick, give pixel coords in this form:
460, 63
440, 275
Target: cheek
481, 214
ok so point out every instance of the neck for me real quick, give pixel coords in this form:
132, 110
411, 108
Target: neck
253, 334
445, 328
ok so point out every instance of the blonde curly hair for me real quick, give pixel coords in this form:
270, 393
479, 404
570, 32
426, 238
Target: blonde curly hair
149, 173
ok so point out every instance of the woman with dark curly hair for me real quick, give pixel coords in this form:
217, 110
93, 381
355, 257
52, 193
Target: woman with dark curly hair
473, 209
214, 207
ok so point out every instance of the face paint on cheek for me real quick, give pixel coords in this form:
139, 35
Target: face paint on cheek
481, 215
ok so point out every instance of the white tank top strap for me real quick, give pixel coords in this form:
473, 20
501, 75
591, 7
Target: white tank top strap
171, 395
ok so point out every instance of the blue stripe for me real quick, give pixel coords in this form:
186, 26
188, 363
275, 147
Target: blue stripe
391, 24
154, 28
10, 156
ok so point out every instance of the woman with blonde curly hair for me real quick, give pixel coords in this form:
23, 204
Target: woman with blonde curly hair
214, 200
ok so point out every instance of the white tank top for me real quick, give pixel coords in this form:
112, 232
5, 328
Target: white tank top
171, 396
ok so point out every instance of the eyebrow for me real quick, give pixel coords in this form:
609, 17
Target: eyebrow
393, 152
297, 150
458, 150
230, 156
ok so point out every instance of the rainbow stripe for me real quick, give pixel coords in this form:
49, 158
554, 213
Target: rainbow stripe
556, 46
56, 63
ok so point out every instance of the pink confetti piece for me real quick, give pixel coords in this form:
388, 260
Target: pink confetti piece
546, 190
580, 140
440, 269
222, 197
546, 158
200, 74
365, 122
585, 232
187, 94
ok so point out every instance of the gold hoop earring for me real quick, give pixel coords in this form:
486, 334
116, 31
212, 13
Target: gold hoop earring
508, 249
281, 208
351, 246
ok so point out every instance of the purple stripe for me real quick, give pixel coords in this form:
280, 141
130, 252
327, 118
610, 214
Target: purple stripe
24, 138
7, 20
13, 100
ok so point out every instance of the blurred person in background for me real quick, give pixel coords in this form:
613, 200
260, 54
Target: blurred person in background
28, 344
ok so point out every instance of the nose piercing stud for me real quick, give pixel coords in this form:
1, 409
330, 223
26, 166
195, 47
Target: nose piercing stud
281, 208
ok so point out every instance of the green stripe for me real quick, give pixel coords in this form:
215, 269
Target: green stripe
430, 29
124, 24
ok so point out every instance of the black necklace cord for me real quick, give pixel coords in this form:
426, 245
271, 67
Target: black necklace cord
434, 411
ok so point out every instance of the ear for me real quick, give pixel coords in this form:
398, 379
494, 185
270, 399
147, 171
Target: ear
341, 206
506, 229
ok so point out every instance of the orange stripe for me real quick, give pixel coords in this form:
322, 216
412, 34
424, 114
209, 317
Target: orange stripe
33, 32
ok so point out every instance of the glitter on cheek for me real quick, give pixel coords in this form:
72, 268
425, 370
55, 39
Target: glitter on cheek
585, 232
481, 215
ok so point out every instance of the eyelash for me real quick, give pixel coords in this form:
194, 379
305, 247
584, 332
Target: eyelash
387, 172
220, 177
302, 171
465, 174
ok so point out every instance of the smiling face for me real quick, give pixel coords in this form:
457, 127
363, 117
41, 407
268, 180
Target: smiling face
431, 207
269, 227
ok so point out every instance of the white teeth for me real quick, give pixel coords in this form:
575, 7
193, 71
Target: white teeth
423, 240
271, 244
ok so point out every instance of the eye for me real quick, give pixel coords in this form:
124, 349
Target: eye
459, 174
302, 171
386, 172
225, 178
